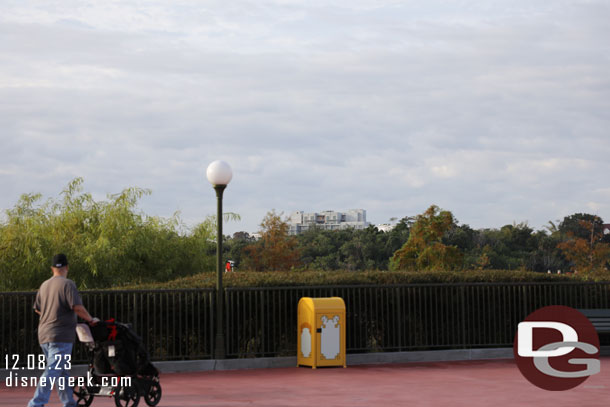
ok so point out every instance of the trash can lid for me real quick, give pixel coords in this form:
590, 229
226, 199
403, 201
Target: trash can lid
325, 303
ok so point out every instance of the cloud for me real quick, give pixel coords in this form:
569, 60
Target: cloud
494, 110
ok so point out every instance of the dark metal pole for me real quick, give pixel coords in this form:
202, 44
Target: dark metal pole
220, 297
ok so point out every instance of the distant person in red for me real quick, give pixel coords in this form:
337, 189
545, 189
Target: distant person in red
228, 267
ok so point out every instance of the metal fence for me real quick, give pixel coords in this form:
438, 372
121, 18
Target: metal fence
180, 324
262, 321
174, 324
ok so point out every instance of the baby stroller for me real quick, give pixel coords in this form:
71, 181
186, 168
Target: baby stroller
119, 366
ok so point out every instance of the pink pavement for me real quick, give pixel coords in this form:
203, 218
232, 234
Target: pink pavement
471, 383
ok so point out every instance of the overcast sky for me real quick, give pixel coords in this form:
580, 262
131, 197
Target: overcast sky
496, 110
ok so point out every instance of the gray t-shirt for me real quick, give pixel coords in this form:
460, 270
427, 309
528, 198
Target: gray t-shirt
55, 300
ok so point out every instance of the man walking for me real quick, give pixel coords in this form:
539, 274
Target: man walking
58, 303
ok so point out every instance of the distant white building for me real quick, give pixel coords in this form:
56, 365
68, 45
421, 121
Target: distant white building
385, 227
300, 221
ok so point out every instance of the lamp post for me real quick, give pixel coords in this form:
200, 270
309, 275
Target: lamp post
219, 174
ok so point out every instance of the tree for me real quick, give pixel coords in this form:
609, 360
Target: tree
509, 247
234, 246
276, 250
424, 250
108, 242
399, 235
546, 256
584, 246
578, 225
320, 249
366, 250
461, 236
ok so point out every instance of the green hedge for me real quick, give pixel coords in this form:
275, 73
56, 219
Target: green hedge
311, 278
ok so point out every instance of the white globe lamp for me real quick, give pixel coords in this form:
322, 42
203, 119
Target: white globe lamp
219, 173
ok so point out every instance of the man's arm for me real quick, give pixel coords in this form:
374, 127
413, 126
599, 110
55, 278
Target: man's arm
73, 297
36, 306
82, 312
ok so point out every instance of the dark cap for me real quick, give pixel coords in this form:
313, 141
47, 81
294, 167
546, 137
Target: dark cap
59, 261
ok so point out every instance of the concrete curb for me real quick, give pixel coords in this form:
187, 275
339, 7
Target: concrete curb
451, 355
291, 361
225, 364
352, 360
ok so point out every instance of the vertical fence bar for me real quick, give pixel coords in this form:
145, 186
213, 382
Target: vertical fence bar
463, 316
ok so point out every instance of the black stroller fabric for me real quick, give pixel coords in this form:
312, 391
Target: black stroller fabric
119, 350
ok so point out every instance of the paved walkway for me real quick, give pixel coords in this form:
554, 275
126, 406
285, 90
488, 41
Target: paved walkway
472, 384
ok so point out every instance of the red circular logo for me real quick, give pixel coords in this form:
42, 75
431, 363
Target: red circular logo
557, 348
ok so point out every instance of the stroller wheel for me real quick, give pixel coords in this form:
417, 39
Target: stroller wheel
153, 396
84, 398
127, 396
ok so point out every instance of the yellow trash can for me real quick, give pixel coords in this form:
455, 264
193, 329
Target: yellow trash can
321, 332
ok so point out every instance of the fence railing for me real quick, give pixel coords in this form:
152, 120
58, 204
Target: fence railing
263, 321
179, 324
174, 324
